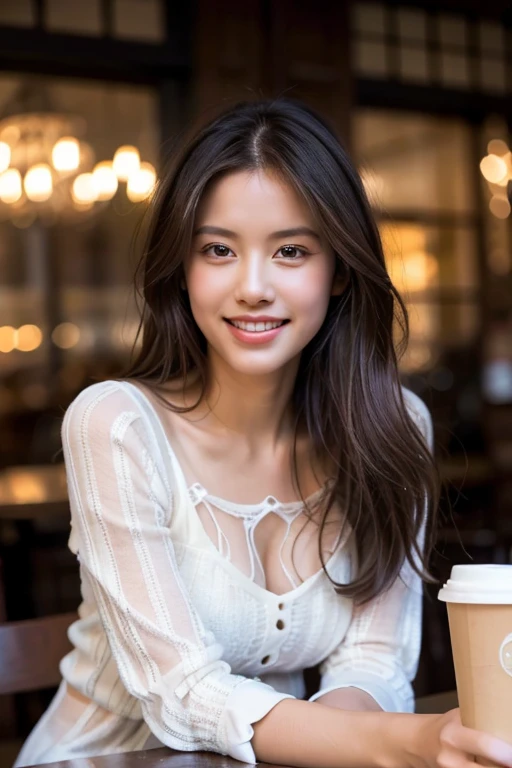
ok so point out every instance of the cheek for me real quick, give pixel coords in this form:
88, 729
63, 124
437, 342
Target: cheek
202, 289
310, 290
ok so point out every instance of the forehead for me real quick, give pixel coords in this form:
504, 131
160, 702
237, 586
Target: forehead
252, 196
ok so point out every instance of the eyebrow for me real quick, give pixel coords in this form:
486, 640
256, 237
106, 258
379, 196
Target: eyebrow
294, 232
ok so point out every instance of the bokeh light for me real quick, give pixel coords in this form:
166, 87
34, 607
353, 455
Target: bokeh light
66, 335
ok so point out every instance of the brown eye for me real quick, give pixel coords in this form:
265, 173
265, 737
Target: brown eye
217, 250
292, 252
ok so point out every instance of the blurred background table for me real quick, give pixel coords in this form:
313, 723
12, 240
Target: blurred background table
34, 527
33, 492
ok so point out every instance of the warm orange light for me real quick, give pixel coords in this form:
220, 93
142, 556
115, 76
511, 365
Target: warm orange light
126, 162
7, 338
104, 180
5, 156
38, 183
497, 147
493, 168
66, 335
66, 154
499, 207
83, 191
141, 184
10, 186
28, 338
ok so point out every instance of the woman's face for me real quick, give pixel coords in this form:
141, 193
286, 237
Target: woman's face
260, 273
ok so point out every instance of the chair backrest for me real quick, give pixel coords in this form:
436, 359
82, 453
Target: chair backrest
30, 652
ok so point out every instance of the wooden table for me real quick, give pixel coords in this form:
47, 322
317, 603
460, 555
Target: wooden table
155, 758
168, 758
33, 492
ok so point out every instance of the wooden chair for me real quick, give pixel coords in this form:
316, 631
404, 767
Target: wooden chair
30, 652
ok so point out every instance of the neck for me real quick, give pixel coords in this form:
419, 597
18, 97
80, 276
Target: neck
256, 407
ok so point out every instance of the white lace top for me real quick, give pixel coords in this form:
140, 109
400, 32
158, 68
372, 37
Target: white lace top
179, 642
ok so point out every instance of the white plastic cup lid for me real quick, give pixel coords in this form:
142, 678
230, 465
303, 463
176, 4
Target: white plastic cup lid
479, 584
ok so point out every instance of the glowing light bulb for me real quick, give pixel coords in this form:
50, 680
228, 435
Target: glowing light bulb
10, 186
126, 162
38, 183
5, 156
142, 183
66, 154
493, 168
104, 180
83, 190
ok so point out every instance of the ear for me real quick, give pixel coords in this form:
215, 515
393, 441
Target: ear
339, 283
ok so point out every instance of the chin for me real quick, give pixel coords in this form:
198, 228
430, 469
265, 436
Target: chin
250, 365
264, 368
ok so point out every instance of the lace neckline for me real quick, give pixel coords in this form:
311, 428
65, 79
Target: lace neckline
197, 493
250, 514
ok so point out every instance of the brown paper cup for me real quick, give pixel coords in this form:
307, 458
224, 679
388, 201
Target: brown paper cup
479, 602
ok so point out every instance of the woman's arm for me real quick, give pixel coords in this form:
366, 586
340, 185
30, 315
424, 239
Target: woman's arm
123, 498
311, 735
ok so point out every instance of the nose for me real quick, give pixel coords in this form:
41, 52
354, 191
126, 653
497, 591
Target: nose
254, 283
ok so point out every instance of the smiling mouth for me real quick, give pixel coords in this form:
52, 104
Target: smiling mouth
257, 327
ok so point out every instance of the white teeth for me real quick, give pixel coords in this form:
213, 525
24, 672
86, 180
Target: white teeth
256, 327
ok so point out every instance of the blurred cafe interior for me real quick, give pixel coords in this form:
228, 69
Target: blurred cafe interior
93, 95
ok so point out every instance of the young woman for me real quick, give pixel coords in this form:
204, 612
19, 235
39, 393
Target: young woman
256, 495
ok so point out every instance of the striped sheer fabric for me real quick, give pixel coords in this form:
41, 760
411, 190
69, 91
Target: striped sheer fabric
180, 641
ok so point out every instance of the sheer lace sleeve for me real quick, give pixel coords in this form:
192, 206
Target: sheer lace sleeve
380, 651
121, 500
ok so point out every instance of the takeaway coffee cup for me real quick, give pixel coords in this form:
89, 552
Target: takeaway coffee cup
479, 603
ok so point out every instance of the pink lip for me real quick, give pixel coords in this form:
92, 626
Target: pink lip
255, 337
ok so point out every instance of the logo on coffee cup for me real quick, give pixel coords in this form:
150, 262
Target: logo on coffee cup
506, 655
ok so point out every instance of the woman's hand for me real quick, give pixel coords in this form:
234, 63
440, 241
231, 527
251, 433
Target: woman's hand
441, 741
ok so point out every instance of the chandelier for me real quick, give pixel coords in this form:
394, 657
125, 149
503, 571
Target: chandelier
48, 169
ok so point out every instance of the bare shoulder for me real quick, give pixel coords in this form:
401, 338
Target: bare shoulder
420, 414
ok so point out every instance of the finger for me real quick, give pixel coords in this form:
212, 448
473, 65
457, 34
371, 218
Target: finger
481, 745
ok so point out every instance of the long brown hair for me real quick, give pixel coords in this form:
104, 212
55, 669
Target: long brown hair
347, 393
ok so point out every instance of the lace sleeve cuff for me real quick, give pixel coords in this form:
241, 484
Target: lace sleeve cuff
247, 704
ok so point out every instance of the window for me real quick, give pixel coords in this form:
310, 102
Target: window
417, 170
66, 299
135, 20
429, 47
